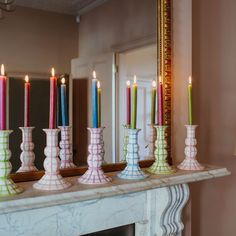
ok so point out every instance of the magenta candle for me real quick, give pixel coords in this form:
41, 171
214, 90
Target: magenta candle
160, 102
3, 89
128, 103
27, 102
53, 97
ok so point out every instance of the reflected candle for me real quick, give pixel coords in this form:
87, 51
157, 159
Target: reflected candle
64, 106
160, 102
153, 103
27, 102
99, 103
128, 103
53, 98
3, 89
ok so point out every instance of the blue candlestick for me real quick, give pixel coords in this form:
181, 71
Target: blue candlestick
64, 109
95, 103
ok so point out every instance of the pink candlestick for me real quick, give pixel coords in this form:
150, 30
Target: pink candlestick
53, 97
128, 103
3, 88
160, 102
27, 102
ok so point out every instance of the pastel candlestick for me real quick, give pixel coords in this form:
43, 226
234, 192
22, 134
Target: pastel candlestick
64, 107
160, 102
190, 115
27, 102
3, 89
153, 103
134, 104
128, 103
99, 103
53, 98
94, 101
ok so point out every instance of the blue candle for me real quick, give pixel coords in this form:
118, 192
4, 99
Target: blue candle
64, 111
95, 101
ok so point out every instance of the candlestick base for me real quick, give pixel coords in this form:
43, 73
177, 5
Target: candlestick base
190, 162
27, 156
125, 143
151, 141
95, 174
66, 153
7, 186
132, 170
52, 180
103, 148
161, 166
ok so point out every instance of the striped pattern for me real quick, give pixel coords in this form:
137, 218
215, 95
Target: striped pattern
125, 144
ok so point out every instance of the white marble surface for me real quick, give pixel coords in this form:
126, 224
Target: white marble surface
33, 199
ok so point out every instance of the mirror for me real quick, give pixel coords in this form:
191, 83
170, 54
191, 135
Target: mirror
115, 38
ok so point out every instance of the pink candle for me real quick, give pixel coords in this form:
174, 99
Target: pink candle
3, 89
128, 103
27, 102
160, 102
53, 97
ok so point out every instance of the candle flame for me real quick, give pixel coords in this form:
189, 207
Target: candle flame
190, 80
53, 72
135, 79
128, 83
99, 85
27, 79
154, 83
63, 80
160, 79
94, 74
2, 70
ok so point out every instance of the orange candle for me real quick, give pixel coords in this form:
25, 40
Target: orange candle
27, 102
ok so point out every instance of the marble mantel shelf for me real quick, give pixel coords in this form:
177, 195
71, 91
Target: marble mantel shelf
33, 199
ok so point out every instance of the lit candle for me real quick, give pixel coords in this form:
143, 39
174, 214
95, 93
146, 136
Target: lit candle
134, 104
160, 102
128, 103
95, 101
53, 98
27, 102
64, 107
190, 116
3, 89
153, 104
99, 103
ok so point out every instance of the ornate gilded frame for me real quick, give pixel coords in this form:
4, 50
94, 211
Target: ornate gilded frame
164, 68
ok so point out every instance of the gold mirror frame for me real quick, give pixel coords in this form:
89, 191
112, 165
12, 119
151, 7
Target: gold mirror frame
164, 67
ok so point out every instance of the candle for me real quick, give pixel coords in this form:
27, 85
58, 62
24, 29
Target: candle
153, 104
64, 107
53, 98
99, 104
190, 117
94, 101
160, 102
3, 89
27, 102
134, 104
128, 103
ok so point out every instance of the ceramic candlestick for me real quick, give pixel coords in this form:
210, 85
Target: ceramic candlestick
132, 170
151, 141
66, 153
95, 174
52, 180
7, 186
27, 156
125, 143
161, 166
103, 148
190, 162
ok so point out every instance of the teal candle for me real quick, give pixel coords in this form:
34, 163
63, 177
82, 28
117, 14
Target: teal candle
190, 112
64, 107
94, 101
134, 104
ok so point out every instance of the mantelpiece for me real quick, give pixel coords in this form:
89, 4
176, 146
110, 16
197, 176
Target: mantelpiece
154, 205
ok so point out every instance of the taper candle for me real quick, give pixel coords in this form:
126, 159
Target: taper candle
53, 98
99, 103
64, 106
160, 102
95, 100
153, 103
3, 89
134, 103
190, 115
128, 103
27, 102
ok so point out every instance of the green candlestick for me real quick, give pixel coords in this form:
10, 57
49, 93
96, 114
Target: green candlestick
153, 104
134, 104
190, 115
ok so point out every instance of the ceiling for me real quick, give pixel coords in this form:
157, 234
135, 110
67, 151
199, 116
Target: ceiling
72, 7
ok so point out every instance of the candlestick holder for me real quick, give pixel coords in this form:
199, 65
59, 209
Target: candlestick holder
132, 170
7, 186
151, 141
161, 166
27, 155
125, 143
103, 148
190, 162
66, 153
95, 174
52, 180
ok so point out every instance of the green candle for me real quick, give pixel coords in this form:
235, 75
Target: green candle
190, 117
153, 104
134, 104
99, 104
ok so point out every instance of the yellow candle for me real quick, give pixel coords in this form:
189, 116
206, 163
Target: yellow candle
190, 115
134, 104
